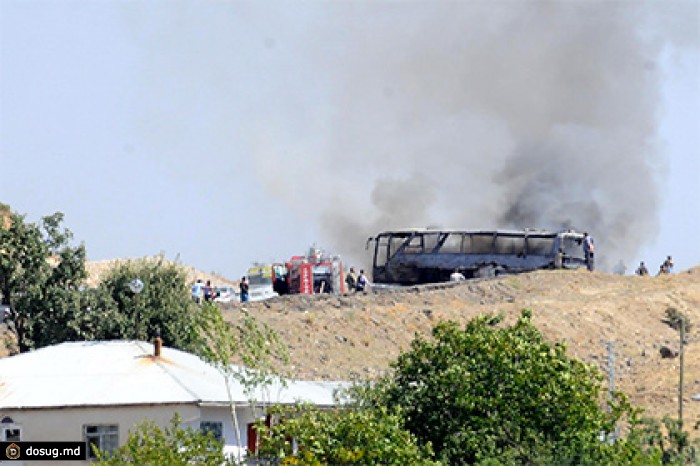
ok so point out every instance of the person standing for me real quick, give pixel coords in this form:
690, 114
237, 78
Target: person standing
208, 291
244, 289
197, 289
589, 251
559, 259
642, 270
351, 279
668, 264
362, 282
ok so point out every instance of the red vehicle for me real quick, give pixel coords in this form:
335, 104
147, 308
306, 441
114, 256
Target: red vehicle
314, 273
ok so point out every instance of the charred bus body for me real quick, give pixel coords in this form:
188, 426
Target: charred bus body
415, 256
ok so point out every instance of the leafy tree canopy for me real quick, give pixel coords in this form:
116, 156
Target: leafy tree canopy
250, 342
149, 445
42, 278
40, 275
671, 444
264, 355
341, 436
163, 304
503, 395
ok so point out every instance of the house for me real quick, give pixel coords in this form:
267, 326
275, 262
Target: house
97, 391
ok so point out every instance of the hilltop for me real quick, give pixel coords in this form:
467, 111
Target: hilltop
358, 335
343, 337
97, 270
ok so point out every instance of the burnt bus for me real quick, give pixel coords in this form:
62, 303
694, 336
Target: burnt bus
415, 256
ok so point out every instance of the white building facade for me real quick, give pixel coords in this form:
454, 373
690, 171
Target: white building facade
98, 391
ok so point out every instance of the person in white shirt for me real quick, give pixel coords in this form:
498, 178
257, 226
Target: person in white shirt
197, 291
362, 282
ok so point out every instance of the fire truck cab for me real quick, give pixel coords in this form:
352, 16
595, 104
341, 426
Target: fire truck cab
314, 273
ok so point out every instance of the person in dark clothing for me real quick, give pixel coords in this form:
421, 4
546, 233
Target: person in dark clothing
668, 264
208, 291
642, 270
362, 282
589, 251
244, 289
351, 279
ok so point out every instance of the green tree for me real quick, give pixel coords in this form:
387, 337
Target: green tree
40, 276
150, 445
340, 436
263, 355
42, 279
164, 304
504, 395
674, 448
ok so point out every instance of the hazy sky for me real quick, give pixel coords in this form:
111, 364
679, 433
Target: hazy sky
224, 133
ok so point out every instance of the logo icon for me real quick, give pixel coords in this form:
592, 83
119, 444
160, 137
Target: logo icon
12, 451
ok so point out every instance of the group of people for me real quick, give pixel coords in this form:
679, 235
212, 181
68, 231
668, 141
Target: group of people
666, 267
589, 253
203, 291
357, 283
360, 283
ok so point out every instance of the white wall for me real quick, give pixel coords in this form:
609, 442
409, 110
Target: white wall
223, 415
44, 425
67, 424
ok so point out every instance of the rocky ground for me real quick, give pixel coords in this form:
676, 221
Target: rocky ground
357, 336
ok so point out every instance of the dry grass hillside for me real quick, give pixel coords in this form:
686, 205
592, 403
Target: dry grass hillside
340, 337
357, 336
97, 270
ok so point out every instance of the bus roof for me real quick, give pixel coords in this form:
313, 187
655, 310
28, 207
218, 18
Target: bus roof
505, 232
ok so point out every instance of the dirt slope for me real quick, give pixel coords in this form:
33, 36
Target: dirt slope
97, 270
343, 337
340, 337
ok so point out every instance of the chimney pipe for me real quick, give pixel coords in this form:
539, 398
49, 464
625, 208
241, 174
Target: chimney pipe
157, 344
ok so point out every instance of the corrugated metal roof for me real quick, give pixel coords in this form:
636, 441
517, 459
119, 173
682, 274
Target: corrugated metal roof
108, 373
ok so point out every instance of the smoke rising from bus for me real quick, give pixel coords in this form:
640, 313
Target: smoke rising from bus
510, 115
365, 116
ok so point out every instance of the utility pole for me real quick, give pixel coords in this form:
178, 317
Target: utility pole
611, 385
680, 381
611, 369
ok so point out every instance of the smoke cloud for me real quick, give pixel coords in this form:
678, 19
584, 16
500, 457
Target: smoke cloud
482, 115
367, 116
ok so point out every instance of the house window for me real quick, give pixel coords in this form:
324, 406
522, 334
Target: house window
104, 437
9, 431
216, 428
11, 434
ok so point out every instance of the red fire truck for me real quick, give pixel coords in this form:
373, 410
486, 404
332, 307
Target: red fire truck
314, 273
